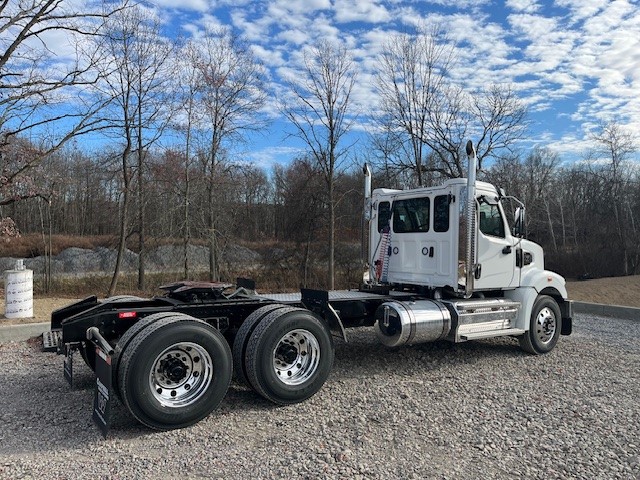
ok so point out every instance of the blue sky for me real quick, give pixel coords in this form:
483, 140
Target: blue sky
575, 63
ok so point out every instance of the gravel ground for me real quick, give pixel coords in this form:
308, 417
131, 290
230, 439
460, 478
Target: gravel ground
475, 410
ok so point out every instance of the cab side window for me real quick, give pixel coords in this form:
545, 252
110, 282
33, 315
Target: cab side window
441, 213
491, 221
411, 215
384, 215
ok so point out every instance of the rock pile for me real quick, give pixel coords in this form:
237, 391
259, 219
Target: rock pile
81, 261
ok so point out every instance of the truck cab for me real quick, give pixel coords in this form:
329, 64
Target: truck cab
415, 239
475, 276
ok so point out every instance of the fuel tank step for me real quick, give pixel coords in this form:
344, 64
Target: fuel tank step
492, 333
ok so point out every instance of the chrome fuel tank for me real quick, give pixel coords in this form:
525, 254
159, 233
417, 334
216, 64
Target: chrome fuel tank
409, 322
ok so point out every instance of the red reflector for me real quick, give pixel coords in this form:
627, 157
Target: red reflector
127, 314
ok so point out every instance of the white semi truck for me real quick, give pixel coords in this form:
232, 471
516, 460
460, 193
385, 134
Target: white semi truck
443, 264
482, 278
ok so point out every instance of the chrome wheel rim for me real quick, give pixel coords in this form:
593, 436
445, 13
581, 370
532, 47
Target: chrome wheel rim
181, 374
296, 357
545, 325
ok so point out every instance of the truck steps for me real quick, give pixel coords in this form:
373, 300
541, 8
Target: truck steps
51, 340
492, 333
485, 318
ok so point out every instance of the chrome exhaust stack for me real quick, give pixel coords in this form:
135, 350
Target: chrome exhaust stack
366, 220
467, 239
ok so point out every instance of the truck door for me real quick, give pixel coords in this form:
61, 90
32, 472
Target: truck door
420, 247
495, 247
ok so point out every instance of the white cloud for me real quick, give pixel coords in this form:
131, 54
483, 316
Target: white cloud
583, 52
368, 11
271, 156
581, 9
294, 36
252, 29
303, 7
195, 5
270, 57
526, 6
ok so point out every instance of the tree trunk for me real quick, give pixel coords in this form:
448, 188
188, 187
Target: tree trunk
50, 245
213, 261
332, 236
141, 226
123, 217
564, 229
187, 229
141, 198
550, 221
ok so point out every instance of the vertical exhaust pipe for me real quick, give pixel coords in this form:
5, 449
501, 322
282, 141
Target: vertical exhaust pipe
367, 184
366, 219
470, 222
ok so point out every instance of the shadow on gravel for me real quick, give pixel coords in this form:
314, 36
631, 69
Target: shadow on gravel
42, 412
362, 358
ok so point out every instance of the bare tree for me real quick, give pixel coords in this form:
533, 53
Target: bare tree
319, 112
189, 89
232, 95
616, 145
152, 60
135, 72
33, 85
411, 77
429, 117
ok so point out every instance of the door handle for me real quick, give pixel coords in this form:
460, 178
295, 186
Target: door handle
506, 250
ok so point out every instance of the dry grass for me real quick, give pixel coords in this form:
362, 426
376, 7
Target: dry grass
32, 245
611, 291
615, 291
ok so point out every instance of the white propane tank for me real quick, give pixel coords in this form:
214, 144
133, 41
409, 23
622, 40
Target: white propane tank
18, 290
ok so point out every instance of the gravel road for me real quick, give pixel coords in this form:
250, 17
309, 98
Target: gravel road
475, 410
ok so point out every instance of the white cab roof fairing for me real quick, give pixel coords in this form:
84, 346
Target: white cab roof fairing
482, 187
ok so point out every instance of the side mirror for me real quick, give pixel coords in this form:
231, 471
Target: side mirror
519, 224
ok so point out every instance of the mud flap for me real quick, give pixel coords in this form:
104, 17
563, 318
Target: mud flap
102, 398
68, 364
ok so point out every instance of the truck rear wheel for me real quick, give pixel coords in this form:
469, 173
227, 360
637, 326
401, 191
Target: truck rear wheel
544, 327
289, 356
174, 372
242, 338
129, 335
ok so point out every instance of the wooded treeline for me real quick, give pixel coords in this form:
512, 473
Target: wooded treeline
174, 114
584, 214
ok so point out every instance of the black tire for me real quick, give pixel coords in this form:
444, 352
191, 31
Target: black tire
242, 338
544, 327
175, 372
128, 336
87, 349
289, 356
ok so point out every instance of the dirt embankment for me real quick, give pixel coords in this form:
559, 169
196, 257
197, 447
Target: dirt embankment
612, 291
